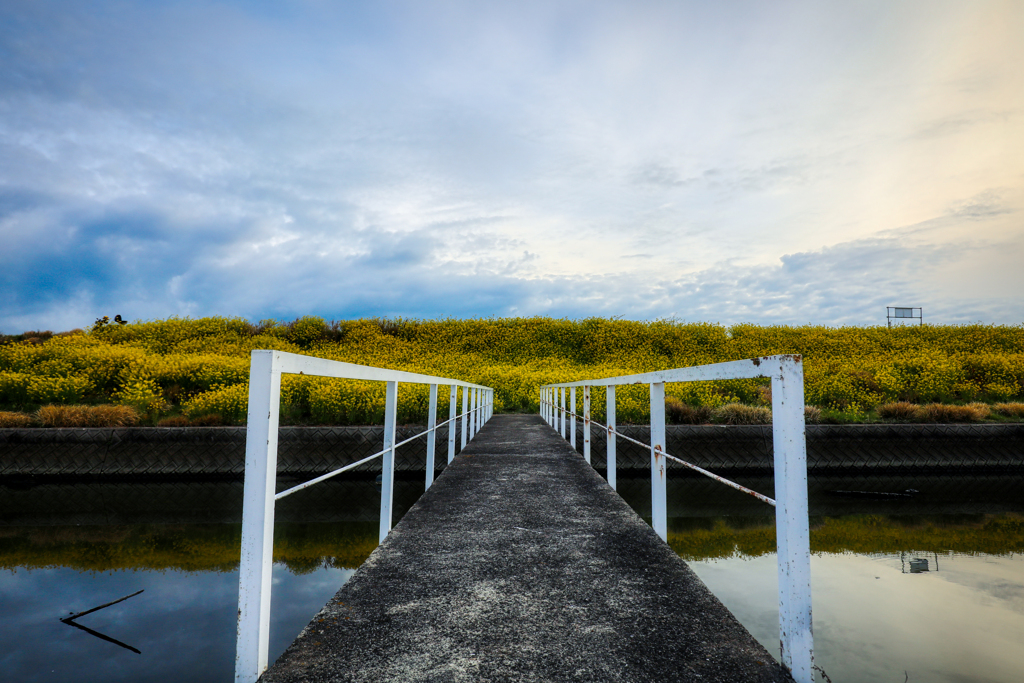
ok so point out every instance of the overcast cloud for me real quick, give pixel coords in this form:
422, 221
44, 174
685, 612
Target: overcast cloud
774, 162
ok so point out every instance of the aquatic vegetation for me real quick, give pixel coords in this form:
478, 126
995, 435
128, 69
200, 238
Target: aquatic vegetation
199, 367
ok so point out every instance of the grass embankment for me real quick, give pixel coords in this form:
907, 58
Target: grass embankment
307, 547
182, 371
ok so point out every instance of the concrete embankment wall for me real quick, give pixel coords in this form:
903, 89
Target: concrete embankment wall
830, 448
220, 451
202, 450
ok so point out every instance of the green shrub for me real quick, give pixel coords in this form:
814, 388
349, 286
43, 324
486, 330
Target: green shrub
230, 402
57, 389
307, 330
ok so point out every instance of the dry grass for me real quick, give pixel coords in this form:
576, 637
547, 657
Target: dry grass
983, 410
739, 414
904, 410
941, 412
174, 421
88, 416
1010, 409
211, 420
812, 415
679, 413
9, 420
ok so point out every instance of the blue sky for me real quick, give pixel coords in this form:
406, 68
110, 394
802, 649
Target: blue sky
768, 162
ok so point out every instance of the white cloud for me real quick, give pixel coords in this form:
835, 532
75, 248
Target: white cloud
553, 158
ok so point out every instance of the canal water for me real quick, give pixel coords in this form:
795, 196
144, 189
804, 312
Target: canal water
914, 578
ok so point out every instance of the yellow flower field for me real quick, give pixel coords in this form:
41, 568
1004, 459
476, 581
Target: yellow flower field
200, 367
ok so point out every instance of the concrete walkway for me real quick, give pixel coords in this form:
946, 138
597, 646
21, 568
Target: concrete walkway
521, 564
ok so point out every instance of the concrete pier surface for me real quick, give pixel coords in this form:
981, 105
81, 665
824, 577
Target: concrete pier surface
521, 564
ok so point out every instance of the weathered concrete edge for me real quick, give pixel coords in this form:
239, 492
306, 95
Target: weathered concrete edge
315, 433
219, 451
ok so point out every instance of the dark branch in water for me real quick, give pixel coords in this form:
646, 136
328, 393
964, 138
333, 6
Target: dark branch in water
96, 609
70, 621
101, 636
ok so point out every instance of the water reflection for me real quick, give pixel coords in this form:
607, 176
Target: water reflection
72, 621
69, 547
184, 623
873, 622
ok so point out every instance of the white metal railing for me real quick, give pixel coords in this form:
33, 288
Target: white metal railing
255, 569
791, 521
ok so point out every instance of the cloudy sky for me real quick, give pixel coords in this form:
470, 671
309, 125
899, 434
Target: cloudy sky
769, 162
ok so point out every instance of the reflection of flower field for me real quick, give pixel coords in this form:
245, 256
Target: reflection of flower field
861, 534
307, 547
303, 548
200, 367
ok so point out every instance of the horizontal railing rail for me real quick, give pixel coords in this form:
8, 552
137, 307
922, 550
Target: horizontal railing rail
613, 432
259, 497
558, 407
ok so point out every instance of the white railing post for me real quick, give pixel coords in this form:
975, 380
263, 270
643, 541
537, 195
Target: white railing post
572, 411
453, 399
791, 521
431, 434
474, 414
465, 416
387, 484
659, 490
610, 447
562, 413
586, 423
790, 462
255, 569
